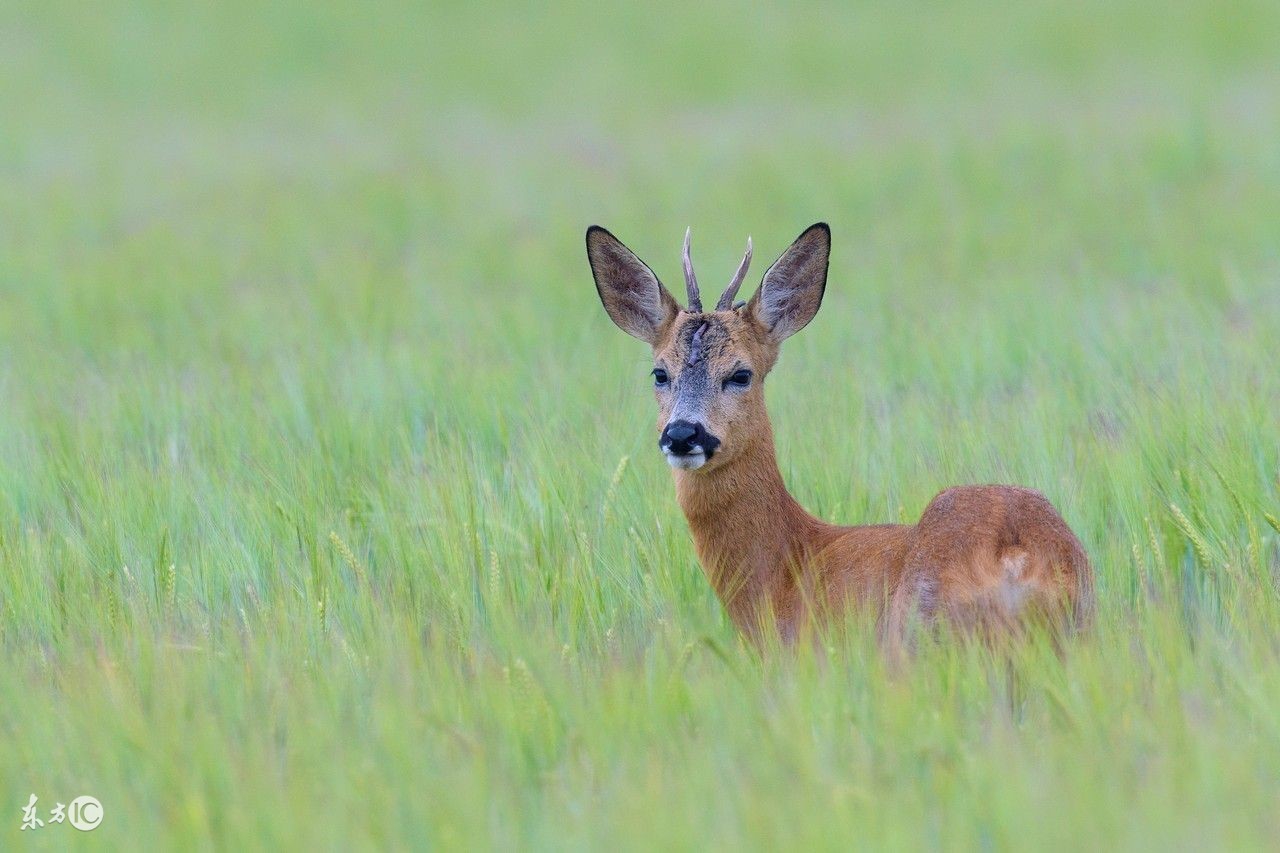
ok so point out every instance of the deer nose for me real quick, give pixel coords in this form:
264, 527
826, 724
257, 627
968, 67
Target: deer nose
680, 437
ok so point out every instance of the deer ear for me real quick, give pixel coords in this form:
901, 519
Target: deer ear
791, 292
632, 295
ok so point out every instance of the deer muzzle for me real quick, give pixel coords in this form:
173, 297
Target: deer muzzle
687, 444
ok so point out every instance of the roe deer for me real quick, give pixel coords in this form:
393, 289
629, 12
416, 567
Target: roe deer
982, 559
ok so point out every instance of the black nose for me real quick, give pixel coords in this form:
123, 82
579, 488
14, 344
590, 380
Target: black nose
681, 437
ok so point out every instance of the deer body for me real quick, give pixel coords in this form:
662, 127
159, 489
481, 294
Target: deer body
792, 564
982, 559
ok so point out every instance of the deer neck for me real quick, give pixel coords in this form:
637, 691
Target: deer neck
748, 530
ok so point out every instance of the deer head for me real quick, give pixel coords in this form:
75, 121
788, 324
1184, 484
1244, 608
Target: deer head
709, 366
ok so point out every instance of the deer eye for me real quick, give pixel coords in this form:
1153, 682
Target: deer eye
660, 377
739, 379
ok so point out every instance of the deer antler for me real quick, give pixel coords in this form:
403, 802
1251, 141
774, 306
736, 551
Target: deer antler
726, 300
691, 280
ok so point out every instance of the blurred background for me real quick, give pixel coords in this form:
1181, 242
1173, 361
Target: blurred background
213, 123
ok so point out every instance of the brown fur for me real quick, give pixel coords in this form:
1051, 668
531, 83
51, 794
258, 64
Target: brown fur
982, 560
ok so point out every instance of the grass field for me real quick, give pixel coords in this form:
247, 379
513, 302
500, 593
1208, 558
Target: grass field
330, 512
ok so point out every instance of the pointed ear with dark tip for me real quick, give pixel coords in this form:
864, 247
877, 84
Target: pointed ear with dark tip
635, 299
791, 292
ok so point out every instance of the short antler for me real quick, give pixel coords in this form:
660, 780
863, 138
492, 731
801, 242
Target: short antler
691, 280
726, 300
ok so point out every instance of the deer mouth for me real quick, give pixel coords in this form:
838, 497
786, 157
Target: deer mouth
694, 459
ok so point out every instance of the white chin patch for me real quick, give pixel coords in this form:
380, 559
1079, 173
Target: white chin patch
687, 461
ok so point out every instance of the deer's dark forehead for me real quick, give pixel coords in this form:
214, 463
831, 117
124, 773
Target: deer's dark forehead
702, 340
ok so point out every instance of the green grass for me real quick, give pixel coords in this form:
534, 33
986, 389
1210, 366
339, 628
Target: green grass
330, 513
